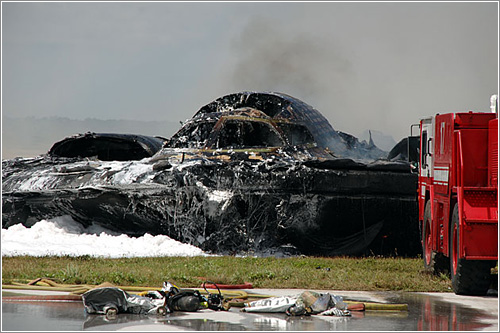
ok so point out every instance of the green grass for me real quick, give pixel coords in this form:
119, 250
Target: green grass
341, 273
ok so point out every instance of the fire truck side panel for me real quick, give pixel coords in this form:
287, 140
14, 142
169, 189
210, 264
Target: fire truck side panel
477, 202
472, 157
479, 224
440, 225
443, 154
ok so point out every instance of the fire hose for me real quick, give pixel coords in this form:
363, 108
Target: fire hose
236, 298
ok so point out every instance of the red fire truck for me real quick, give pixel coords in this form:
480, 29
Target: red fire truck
457, 197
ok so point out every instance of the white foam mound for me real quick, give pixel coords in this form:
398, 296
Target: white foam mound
63, 236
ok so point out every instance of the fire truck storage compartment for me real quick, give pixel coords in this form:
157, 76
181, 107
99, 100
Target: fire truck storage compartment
477, 197
480, 218
472, 158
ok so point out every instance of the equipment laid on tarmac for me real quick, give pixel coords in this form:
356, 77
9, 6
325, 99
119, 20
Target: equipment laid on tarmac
113, 300
307, 303
110, 300
215, 301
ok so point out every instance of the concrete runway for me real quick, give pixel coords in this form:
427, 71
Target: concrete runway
426, 312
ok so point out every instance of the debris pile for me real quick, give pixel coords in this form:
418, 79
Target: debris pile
249, 173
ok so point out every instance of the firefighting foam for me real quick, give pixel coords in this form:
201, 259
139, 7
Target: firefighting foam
62, 236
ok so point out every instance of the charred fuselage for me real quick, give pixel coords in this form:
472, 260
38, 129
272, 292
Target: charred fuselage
249, 172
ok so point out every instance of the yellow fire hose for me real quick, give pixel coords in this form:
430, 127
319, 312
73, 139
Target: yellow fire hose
373, 306
78, 289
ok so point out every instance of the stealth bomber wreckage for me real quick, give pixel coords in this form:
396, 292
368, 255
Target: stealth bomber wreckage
251, 172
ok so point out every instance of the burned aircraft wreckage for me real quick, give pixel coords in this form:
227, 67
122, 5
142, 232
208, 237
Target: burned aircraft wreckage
248, 173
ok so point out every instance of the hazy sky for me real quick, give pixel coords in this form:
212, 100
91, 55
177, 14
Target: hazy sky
380, 66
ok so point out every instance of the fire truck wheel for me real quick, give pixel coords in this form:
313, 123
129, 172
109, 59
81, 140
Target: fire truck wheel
433, 262
468, 277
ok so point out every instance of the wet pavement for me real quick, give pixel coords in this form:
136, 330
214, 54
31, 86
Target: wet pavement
426, 312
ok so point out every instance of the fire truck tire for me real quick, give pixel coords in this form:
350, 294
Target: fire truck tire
434, 263
468, 277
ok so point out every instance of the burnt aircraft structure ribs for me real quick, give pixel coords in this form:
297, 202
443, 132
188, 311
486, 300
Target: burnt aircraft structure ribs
250, 172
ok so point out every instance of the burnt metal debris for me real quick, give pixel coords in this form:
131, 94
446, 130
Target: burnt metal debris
107, 146
251, 172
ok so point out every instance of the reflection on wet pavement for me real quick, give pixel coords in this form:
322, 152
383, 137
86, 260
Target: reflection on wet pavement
441, 316
426, 313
